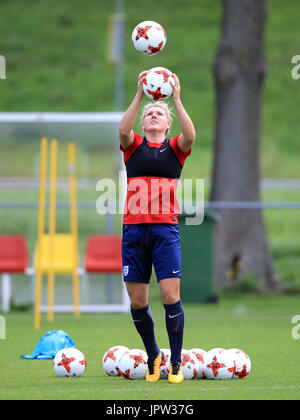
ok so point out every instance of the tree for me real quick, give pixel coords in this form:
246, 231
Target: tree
240, 243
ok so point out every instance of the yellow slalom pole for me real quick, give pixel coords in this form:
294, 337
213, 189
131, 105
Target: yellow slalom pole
41, 221
74, 227
52, 228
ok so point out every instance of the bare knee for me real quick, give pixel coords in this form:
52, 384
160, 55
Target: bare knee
137, 303
138, 295
170, 298
170, 290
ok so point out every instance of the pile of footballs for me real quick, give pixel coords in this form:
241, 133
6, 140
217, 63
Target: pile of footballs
216, 363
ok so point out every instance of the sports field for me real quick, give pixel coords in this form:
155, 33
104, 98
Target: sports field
262, 326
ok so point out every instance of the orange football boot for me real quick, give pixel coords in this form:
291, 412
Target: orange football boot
175, 374
153, 371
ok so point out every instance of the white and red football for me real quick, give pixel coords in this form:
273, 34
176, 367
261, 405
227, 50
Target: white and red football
111, 360
133, 364
243, 363
165, 364
69, 362
199, 353
189, 364
157, 84
219, 365
149, 37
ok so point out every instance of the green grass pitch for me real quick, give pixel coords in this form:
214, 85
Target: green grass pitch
262, 326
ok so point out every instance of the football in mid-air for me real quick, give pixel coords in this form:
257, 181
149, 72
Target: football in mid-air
219, 364
111, 360
242, 362
149, 37
133, 364
157, 84
69, 362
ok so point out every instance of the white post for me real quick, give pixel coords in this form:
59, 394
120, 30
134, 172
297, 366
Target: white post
125, 298
6, 292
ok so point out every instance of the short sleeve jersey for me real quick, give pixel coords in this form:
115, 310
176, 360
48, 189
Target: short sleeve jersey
153, 171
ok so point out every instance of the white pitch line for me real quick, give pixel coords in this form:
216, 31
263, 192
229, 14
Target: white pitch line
263, 388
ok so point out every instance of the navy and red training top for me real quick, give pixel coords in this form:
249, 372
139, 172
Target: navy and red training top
153, 170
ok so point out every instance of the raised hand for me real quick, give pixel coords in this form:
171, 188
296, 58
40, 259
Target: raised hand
176, 88
142, 75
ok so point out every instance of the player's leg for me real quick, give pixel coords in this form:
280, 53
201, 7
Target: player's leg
138, 294
142, 316
166, 258
143, 321
170, 293
137, 266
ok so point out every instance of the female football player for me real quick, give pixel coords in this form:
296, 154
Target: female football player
150, 226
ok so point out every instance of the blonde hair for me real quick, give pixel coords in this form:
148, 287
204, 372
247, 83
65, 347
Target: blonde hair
161, 105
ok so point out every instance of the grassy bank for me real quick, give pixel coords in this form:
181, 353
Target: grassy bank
56, 61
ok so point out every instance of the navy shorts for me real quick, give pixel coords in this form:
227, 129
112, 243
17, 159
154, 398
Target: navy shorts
151, 243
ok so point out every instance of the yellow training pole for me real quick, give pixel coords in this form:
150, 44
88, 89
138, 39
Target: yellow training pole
74, 227
52, 228
41, 220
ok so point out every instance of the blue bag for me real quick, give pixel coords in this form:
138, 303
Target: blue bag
50, 344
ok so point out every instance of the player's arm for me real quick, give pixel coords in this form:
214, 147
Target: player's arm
128, 120
188, 134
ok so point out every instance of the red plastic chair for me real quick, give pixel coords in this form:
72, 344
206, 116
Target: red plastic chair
14, 256
103, 254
